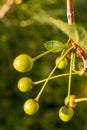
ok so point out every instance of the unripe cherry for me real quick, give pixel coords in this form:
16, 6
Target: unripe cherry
23, 63
66, 113
31, 106
70, 102
25, 84
61, 64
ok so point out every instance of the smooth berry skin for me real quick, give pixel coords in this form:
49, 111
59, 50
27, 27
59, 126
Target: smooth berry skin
25, 84
31, 106
66, 113
61, 64
23, 63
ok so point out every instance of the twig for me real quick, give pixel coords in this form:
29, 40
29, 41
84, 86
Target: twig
79, 51
70, 11
5, 8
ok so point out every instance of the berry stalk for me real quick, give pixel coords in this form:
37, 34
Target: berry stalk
45, 53
54, 77
44, 85
70, 75
80, 100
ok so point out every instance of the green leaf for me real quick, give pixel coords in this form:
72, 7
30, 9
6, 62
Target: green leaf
83, 44
82, 38
69, 29
77, 33
52, 44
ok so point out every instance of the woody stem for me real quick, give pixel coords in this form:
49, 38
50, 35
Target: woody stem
70, 11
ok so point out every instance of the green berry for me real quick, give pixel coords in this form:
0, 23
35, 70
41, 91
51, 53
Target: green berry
31, 106
70, 102
25, 84
66, 113
61, 64
23, 63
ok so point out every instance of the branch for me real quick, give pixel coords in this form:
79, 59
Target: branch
5, 8
79, 51
70, 11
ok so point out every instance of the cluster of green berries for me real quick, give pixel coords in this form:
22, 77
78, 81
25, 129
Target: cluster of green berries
24, 63
66, 112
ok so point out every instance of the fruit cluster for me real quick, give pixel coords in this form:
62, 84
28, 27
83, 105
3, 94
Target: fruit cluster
24, 63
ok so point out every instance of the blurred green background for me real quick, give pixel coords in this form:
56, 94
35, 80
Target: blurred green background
22, 30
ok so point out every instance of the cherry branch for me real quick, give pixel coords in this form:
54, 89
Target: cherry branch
5, 8
79, 51
70, 11
70, 15
7, 5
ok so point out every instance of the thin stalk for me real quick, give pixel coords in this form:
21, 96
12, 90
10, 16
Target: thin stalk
80, 100
39, 94
45, 53
70, 18
44, 85
73, 64
54, 77
70, 75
